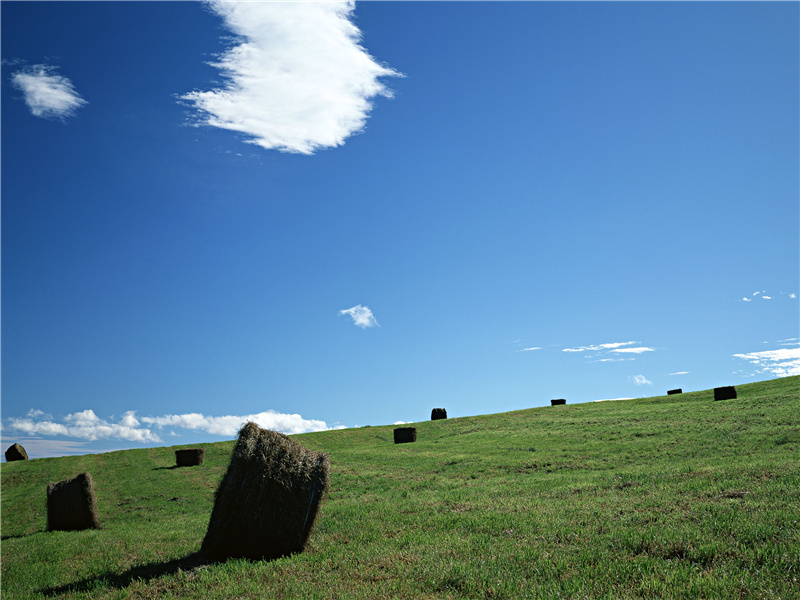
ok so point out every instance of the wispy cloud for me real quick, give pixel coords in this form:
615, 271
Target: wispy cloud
763, 295
529, 349
681, 373
598, 347
783, 362
640, 380
296, 78
362, 316
638, 350
46, 93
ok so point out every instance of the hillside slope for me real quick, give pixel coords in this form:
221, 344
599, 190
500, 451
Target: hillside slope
667, 497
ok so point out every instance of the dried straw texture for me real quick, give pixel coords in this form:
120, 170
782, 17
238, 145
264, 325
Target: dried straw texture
190, 457
267, 502
16, 452
725, 393
438, 413
71, 504
403, 435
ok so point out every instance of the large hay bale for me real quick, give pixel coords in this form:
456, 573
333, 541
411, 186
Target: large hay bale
267, 502
558, 402
676, 391
16, 452
71, 504
725, 393
403, 435
190, 457
438, 413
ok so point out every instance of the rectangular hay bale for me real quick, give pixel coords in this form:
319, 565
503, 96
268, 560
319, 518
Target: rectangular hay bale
190, 457
404, 435
725, 393
72, 505
558, 402
267, 502
675, 391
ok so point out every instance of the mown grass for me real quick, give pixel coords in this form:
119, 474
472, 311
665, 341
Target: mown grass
668, 497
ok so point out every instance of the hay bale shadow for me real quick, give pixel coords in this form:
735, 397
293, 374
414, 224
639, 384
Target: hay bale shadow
267, 502
122, 580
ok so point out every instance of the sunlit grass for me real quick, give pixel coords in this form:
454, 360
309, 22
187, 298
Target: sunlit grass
669, 497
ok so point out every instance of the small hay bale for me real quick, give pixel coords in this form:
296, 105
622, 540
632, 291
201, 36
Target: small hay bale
558, 401
438, 413
190, 457
71, 504
16, 452
725, 393
404, 435
267, 502
676, 391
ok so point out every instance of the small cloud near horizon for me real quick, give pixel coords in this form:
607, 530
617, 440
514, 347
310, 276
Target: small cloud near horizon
362, 316
296, 79
640, 380
47, 94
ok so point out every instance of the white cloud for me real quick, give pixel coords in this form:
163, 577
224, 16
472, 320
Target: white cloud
782, 362
229, 425
640, 380
745, 299
47, 94
362, 316
529, 349
296, 78
639, 350
611, 399
681, 373
84, 425
598, 347
792, 295
766, 297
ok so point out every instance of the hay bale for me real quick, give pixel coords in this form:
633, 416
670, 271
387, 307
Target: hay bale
403, 435
190, 457
16, 452
438, 413
71, 504
725, 393
267, 502
558, 402
676, 391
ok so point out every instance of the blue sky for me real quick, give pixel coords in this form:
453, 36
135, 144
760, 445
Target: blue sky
338, 215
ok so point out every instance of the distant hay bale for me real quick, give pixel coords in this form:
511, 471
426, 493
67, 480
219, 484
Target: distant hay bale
267, 502
16, 452
190, 457
438, 413
403, 435
558, 401
725, 393
676, 391
71, 504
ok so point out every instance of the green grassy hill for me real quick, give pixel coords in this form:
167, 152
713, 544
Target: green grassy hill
669, 497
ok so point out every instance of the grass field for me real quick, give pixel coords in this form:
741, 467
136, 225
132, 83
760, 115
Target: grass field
668, 497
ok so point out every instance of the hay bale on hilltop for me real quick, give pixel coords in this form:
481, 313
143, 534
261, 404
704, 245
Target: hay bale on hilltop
725, 393
403, 435
190, 457
438, 413
558, 401
16, 452
72, 505
676, 391
267, 502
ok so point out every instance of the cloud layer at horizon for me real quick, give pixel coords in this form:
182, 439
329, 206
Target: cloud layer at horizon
296, 78
86, 425
47, 94
783, 362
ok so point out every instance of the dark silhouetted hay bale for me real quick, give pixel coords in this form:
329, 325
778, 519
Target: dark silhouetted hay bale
16, 452
725, 393
71, 504
438, 413
558, 402
267, 502
190, 457
676, 391
403, 435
